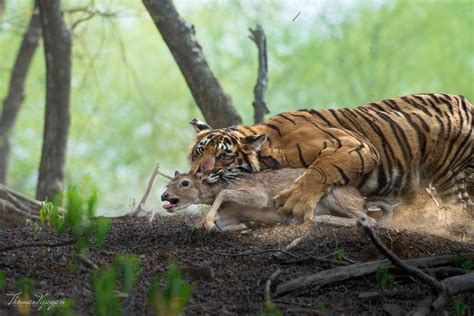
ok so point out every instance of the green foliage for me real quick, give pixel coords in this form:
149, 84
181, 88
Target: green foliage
79, 219
460, 308
127, 267
172, 297
384, 278
339, 254
104, 283
50, 215
461, 262
3, 279
35, 227
25, 286
271, 310
108, 284
102, 227
321, 306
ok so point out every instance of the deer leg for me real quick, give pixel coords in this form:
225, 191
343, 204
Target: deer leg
343, 201
252, 197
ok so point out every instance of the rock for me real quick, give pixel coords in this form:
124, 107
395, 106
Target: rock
393, 309
370, 297
206, 274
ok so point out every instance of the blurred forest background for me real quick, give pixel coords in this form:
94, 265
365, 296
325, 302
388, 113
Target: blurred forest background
130, 106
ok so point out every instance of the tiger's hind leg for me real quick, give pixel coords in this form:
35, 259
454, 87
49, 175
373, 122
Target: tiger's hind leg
455, 191
386, 205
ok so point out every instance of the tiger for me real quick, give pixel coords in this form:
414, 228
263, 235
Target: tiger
388, 148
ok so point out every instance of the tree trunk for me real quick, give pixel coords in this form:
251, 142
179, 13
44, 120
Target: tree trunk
57, 51
15, 94
180, 37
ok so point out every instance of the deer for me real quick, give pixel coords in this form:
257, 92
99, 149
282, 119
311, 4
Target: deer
249, 198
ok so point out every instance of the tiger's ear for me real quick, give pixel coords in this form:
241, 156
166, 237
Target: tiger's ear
255, 142
199, 125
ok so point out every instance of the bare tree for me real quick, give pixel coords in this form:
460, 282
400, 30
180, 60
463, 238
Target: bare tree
57, 52
257, 35
180, 37
2, 7
16, 88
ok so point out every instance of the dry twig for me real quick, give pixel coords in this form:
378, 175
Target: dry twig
249, 253
141, 205
268, 284
38, 244
411, 270
445, 288
86, 262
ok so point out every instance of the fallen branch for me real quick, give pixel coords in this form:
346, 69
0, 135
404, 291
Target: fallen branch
86, 262
7, 206
39, 244
268, 284
445, 288
288, 247
357, 270
257, 35
411, 270
316, 259
20, 200
335, 221
249, 253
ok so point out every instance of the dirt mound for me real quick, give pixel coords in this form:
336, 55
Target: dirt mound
224, 284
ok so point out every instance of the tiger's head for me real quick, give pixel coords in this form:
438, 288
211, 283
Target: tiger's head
223, 154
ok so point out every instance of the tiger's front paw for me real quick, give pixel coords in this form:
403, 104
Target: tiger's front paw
297, 202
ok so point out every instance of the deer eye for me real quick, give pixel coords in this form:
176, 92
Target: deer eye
185, 183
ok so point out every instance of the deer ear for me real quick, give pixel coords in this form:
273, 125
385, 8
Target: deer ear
199, 125
255, 142
176, 173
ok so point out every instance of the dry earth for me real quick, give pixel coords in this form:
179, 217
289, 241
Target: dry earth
230, 285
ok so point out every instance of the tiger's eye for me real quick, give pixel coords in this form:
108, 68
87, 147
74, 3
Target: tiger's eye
225, 156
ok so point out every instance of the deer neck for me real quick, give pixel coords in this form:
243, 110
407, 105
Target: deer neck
208, 192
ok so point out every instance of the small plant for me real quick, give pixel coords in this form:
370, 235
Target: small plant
35, 227
104, 284
384, 278
127, 267
25, 287
445, 209
79, 219
321, 306
461, 262
3, 279
460, 308
271, 310
171, 298
109, 283
339, 255
50, 216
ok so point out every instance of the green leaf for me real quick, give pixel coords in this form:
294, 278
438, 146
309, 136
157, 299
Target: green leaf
128, 267
102, 227
3, 279
173, 296
25, 285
